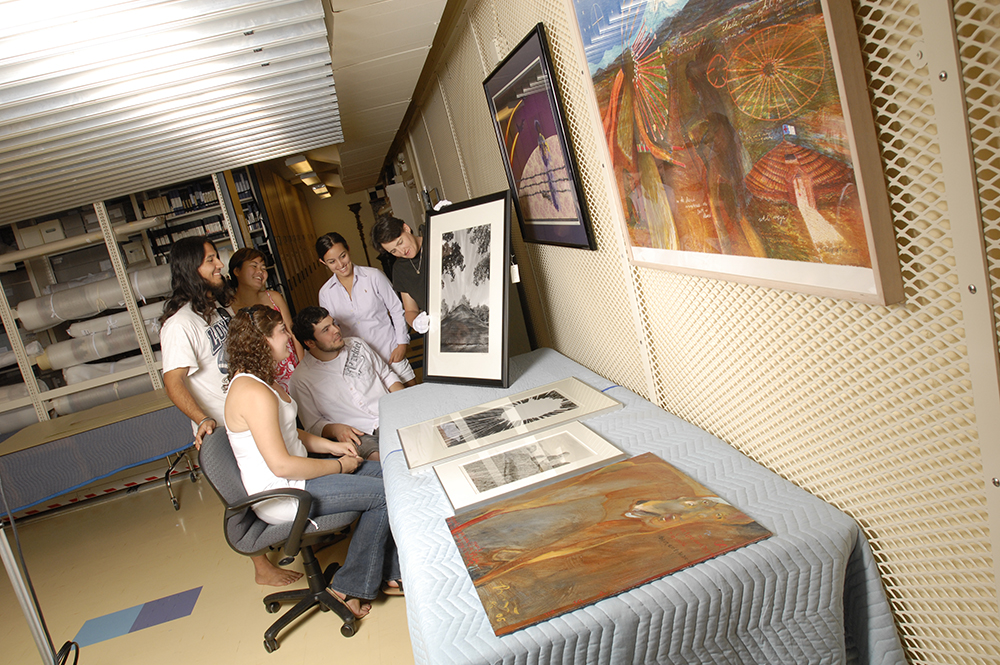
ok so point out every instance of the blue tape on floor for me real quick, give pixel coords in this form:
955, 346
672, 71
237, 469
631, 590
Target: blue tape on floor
166, 609
148, 614
107, 626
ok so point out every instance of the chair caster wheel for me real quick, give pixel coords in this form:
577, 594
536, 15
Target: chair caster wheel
270, 645
273, 607
347, 630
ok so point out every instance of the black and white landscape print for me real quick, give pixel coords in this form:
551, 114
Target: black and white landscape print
503, 418
465, 290
524, 462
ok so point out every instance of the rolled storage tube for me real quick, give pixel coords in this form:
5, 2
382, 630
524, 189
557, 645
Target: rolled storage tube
81, 373
15, 419
98, 395
104, 324
32, 348
89, 299
93, 347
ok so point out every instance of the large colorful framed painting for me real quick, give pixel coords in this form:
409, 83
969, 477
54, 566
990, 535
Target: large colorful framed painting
741, 142
468, 247
578, 540
538, 159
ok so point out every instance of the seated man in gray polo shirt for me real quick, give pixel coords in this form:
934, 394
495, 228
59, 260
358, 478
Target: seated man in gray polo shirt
339, 382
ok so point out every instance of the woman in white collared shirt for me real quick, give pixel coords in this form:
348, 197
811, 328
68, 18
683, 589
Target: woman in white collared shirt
363, 303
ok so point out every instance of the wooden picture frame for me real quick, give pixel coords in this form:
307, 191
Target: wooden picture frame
537, 156
494, 422
468, 247
740, 142
477, 478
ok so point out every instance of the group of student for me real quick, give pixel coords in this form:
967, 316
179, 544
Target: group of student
298, 398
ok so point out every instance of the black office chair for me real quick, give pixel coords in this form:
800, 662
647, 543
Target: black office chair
250, 535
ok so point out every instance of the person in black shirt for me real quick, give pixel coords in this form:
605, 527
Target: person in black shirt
409, 276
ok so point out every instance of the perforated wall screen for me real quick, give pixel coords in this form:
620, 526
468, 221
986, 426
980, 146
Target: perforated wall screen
868, 407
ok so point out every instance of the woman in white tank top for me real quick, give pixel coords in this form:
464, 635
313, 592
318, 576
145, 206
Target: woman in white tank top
271, 453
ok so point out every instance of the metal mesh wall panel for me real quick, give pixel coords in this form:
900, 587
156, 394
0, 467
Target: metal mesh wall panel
436, 116
471, 116
423, 151
868, 407
472, 59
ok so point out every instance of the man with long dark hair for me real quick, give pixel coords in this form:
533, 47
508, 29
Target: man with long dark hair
193, 341
193, 338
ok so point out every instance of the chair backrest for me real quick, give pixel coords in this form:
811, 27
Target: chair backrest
245, 532
218, 463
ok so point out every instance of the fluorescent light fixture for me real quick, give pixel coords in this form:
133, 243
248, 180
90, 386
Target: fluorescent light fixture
320, 189
299, 164
309, 178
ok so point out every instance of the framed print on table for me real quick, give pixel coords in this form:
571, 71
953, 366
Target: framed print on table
537, 156
505, 418
476, 478
741, 142
468, 259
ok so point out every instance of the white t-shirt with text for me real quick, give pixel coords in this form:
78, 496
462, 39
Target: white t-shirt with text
187, 341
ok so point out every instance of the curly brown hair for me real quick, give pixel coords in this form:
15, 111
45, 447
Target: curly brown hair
246, 345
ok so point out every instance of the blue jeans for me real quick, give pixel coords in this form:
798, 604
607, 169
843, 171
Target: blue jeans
371, 555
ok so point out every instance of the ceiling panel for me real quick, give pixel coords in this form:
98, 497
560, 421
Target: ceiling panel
374, 31
99, 98
374, 84
372, 121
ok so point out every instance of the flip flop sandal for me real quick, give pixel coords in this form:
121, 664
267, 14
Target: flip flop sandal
332, 599
392, 590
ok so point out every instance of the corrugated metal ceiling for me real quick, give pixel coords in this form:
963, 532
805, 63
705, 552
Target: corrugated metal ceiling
100, 98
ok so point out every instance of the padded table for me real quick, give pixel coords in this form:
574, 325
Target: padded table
809, 594
50, 458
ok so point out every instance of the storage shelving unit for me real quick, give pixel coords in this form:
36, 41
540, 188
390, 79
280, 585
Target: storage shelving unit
252, 219
121, 239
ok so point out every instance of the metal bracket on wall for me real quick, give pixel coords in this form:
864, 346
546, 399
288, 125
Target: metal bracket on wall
944, 67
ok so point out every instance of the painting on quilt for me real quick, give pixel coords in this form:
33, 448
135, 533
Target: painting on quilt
572, 543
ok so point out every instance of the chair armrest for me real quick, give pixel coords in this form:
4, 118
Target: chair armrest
304, 501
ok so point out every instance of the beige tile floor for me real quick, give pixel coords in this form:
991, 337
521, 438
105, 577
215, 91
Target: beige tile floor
135, 548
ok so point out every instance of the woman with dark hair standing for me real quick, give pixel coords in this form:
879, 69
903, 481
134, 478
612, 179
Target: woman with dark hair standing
363, 303
272, 454
248, 275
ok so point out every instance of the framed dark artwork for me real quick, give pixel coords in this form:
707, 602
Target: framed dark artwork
480, 477
502, 419
592, 536
741, 142
468, 247
537, 156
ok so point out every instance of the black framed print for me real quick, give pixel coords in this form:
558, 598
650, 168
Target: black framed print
538, 158
468, 248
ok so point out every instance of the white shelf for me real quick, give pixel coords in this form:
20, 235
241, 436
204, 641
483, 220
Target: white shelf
8, 260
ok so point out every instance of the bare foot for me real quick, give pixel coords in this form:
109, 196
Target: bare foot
266, 573
358, 607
